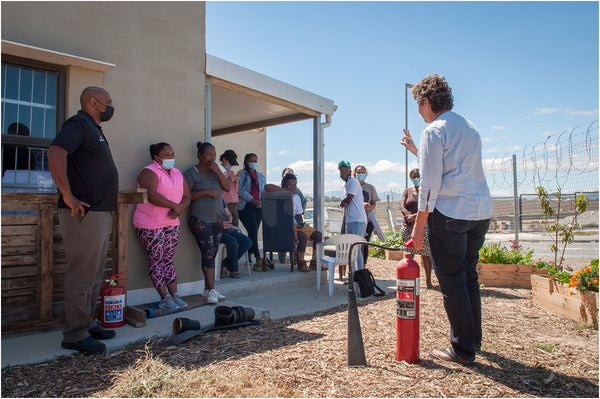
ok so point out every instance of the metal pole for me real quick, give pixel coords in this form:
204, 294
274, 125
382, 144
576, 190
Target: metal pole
406, 87
515, 199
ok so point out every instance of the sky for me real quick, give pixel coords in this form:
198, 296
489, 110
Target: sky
519, 71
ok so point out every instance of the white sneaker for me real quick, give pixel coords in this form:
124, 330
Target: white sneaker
167, 303
177, 299
212, 297
220, 296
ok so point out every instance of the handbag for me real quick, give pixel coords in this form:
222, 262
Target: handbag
366, 283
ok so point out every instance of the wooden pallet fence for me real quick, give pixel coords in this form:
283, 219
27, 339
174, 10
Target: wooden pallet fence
507, 275
554, 297
34, 260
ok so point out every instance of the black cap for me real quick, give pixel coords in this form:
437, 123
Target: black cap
231, 157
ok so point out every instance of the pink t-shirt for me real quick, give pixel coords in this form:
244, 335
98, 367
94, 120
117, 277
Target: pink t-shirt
231, 195
170, 186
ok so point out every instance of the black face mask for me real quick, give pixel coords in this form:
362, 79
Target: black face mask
107, 114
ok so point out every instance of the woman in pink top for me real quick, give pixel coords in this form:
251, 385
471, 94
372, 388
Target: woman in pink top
157, 221
228, 160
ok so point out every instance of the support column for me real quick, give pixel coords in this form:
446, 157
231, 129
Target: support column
207, 110
318, 174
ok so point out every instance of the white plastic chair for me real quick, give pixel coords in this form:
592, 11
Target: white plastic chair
222, 254
342, 245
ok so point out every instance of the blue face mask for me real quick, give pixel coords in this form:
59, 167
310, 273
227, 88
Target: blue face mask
416, 182
168, 163
253, 165
361, 176
228, 167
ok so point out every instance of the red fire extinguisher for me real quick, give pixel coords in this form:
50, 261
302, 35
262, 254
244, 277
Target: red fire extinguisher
407, 309
113, 303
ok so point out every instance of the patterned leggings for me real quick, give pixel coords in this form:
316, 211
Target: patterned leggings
208, 237
160, 247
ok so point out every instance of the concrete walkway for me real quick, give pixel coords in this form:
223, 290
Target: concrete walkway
275, 294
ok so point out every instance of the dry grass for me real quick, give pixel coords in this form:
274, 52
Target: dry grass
526, 352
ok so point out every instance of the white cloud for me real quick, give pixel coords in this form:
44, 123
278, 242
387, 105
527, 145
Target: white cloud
488, 139
490, 150
385, 166
544, 111
498, 127
515, 148
283, 152
584, 113
394, 186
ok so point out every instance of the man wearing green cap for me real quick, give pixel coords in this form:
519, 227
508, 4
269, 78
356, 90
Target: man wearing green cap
354, 212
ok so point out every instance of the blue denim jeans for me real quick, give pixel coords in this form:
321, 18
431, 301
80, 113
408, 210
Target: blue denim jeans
455, 245
359, 229
237, 245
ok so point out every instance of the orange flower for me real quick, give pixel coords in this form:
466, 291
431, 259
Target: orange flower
589, 283
570, 292
596, 280
578, 272
587, 269
482, 258
574, 278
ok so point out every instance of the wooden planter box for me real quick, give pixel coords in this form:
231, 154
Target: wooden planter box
507, 276
554, 297
394, 255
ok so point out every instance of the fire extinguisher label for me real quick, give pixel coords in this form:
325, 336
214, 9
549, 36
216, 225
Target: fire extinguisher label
113, 308
406, 298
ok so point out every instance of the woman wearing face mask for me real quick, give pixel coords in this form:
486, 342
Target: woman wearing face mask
251, 185
370, 199
206, 183
228, 161
409, 205
157, 221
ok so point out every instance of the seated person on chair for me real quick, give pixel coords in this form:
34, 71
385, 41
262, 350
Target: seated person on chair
302, 231
237, 245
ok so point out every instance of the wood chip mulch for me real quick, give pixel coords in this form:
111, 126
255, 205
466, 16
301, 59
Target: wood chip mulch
526, 352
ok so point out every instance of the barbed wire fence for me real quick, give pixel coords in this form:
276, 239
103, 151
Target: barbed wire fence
567, 162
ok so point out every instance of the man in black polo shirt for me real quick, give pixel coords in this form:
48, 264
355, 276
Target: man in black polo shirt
86, 176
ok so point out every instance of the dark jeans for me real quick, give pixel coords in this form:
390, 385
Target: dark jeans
237, 244
368, 233
251, 217
455, 245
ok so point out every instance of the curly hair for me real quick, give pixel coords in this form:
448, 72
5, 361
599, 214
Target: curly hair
436, 90
287, 178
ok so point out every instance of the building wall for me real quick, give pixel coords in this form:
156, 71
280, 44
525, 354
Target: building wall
157, 85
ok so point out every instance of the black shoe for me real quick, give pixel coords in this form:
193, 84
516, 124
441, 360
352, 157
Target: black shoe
100, 333
88, 346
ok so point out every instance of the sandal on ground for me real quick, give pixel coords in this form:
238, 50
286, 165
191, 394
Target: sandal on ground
449, 355
224, 273
270, 264
258, 266
235, 275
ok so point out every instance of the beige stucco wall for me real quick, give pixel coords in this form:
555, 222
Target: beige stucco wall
157, 85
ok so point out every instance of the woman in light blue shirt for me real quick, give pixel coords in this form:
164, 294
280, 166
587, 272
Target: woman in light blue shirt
455, 204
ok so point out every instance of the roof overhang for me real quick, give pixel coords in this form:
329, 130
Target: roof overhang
245, 100
53, 57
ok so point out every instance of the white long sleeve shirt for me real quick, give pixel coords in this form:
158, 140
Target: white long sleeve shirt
450, 164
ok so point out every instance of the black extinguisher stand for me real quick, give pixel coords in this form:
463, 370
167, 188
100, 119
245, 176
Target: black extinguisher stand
356, 348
